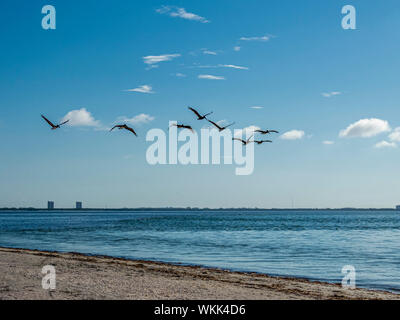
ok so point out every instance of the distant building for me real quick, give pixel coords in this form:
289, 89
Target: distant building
78, 205
50, 205
397, 207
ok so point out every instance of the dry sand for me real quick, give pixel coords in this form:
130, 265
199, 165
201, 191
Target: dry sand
95, 277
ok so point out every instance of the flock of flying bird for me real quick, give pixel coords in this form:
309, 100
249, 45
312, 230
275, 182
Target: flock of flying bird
183, 126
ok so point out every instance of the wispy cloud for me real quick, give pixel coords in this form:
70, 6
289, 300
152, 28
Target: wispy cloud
330, 94
293, 135
179, 75
219, 66
327, 142
385, 144
209, 52
210, 77
236, 48
262, 38
161, 58
395, 135
233, 66
365, 128
142, 89
257, 107
139, 119
173, 11
80, 118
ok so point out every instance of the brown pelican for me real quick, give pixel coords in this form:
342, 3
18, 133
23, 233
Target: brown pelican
219, 127
266, 131
244, 142
53, 126
199, 116
182, 126
261, 141
124, 126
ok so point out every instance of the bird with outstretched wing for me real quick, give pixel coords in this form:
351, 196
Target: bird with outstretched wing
124, 126
266, 131
53, 126
219, 127
199, 116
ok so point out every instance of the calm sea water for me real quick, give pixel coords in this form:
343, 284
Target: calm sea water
309, 244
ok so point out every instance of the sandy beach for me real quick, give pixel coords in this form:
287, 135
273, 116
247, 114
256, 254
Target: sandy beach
96, 277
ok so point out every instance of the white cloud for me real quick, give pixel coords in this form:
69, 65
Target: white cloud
181, 13
180, 75
139, 119
395, 135
210, 77
246, 131
293, 135
233, 66
161, 58
256, 107
385, 144
80, 118
213, 53
330, 94
327, 142
365, 128
236, 48
263, 38
142, 89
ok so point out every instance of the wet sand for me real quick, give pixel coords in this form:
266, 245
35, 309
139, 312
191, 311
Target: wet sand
97, 277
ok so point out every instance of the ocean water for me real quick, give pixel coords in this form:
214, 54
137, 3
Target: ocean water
307, 244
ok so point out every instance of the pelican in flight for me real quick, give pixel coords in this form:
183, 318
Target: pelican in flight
124, 126
266, 131
244, 142
219, 127
53, 126
199, 116
182, 126
261, 141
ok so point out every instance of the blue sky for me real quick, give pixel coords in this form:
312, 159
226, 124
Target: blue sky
303, 69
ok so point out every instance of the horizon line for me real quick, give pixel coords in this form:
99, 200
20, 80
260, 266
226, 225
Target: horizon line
396, 208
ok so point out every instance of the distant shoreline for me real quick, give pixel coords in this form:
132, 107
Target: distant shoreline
198, 209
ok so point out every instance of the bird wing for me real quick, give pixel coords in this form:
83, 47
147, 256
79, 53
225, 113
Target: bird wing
188, 127
130, 129
274, 131
229, 125
196, 113
48, 121
259, 131
248, 140
63, 122
114, 127
214, 124
266, 141
242, 141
